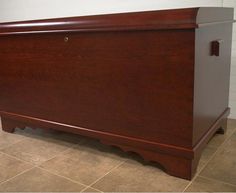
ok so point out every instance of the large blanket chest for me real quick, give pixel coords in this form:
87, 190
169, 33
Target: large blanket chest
155, 83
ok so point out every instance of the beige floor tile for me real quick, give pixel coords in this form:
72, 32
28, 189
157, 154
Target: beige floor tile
133, 176
215, 143
231, 124
89, 189
86, 162
7, 139
218, 139
9, 167
206, 185
206, 155
36, 150
223, 165
37, 180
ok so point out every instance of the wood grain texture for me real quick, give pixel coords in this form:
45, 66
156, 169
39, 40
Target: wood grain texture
141, 81
109, 82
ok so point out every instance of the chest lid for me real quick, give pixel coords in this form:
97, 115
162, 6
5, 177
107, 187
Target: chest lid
188, 18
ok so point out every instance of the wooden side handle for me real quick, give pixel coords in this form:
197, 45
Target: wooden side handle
215, 47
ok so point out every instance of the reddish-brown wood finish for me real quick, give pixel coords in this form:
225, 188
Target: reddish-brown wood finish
145, 82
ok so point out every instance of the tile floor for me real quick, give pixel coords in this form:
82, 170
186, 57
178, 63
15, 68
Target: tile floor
35, 160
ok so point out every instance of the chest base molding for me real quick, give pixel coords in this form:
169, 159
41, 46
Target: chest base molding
176, 161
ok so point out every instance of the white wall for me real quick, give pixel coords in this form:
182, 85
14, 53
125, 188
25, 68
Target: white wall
16, 10
13, 10
232, 97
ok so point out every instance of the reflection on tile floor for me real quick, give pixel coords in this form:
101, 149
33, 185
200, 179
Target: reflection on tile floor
53, 161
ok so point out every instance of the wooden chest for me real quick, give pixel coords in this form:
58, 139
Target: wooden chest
155, 83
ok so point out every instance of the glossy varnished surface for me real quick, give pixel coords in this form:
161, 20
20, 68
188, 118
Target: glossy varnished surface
119, 78
183, 18
107, 81
189, 18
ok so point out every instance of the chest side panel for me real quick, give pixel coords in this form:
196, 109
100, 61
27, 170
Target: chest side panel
212, 74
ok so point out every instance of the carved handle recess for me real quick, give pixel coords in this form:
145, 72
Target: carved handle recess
215, 47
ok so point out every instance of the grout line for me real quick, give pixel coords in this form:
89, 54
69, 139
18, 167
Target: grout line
35, 164
91, 188
96, 189
86, 186
17, 175
90, 185
19, 159
38, 166
219, 181
13, 143
67, 149
213, 155
62, 176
